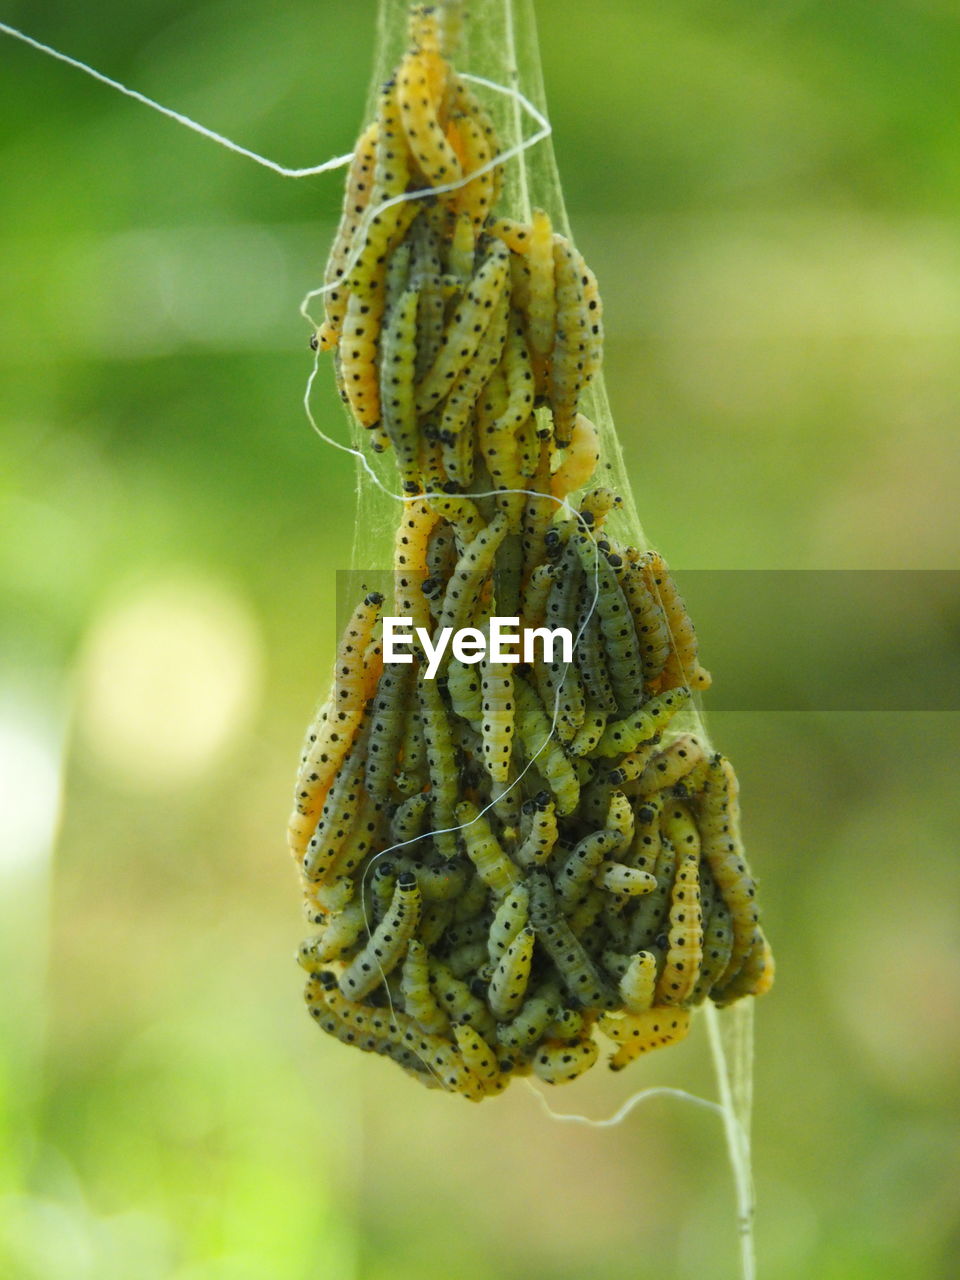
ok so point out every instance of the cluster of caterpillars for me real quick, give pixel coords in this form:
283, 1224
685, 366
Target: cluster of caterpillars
508, 858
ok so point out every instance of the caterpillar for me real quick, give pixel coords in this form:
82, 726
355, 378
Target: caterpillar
462, 337
539, 842
331, 734
462, 399
534, 731
458, 1001
387, 942
579, 869
640, 1032
493, 866
685, 938
442, 767
651, 718
671, 765
435, 157
467, 580
441, 881
386, 730
638, 982
616, 625
339, 935
536, 1014
620, 879
339, 812
569, 359
509, 982
542, 306
418, 998
479, 1058
398, 361
718, 822
498, 711
563, 1062
581, 455
355, 203
682, 665
577, 970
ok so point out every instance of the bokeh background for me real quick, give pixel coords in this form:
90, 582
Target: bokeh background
770, 194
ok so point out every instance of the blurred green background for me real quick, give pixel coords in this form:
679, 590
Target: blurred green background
770, 194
